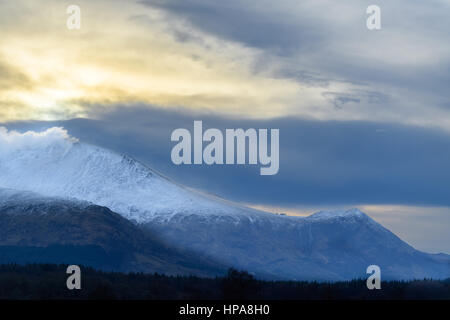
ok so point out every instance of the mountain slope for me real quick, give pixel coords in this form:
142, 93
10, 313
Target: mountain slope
67, 168
52, 230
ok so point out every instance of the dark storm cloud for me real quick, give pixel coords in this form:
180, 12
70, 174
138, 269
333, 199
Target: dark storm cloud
321, 163
243, 22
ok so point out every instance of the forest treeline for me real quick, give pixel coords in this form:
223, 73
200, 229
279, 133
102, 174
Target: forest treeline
48, 281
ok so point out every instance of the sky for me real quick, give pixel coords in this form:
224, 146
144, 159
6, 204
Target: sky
364, 116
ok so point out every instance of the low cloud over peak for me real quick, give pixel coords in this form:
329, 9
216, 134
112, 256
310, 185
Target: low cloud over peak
11, 141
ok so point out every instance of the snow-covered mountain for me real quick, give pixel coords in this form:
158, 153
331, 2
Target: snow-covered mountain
63, 167
333, 245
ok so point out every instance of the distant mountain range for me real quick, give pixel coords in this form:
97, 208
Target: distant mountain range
66, 200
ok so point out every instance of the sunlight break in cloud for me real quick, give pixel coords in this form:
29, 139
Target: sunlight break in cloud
239, 58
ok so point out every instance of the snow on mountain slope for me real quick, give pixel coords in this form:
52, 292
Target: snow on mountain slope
53, 164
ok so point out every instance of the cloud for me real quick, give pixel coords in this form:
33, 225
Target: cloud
12, 77
259, 60
326, 46
122, 57
12, 141
249, 23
